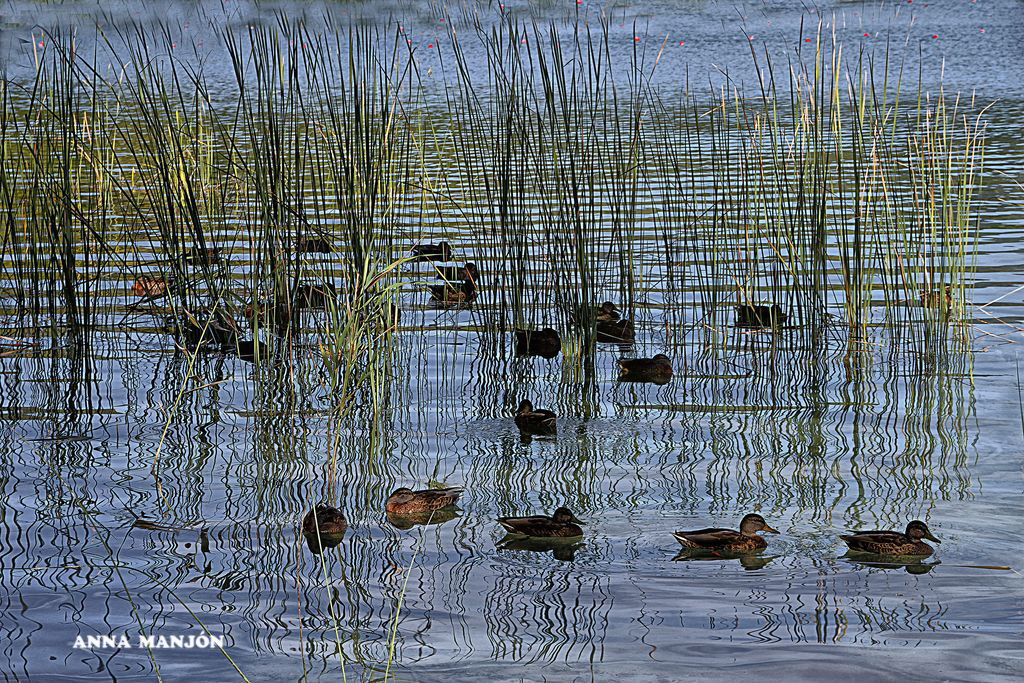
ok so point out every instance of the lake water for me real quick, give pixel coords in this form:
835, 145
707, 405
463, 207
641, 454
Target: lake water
221, 473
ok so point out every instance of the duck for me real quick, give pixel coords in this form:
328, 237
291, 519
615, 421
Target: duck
203, 256
324, 520
249, 350
562, 524
727, 540
455, 273
314, 296
534, 421
313, 245
893, 542
615, 331
442, 251
606, 313
454, 294
545, 343
759, 316
270, 313
153, 286
405, 501
657, 370
204, 327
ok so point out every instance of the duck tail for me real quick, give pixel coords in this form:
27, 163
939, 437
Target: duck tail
683, 540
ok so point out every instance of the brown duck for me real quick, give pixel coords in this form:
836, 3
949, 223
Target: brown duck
562, 524
758, 316
545, 343
324, 520
153, 286
533, 421
203, 256
727, 540
405, 501
893, 542
314, 245
455, 273
607, 313
462, 293
442, 251
657, 370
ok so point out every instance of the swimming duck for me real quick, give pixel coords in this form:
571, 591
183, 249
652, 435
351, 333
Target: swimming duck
534, 421
203, 256
454, 294
893, 542
544, 343
455, 273
727, 540
606, 313
314, 296
562, 524
615, 331
204, 327
153, 286
272, 314
442, 251
314, 245
248, 350
405, 501
759, 316
324, 520
657, 370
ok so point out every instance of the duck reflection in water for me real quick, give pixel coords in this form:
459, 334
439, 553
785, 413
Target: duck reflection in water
750, 561
563, 549
910, 564
404, 522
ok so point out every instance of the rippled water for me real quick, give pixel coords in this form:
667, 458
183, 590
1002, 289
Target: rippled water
814, 443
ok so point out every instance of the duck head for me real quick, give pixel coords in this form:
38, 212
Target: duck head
753, 523
564, 516
401, 489
524, 407
918, 530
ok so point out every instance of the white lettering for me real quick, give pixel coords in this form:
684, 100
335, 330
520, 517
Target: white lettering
147, 641
79, 643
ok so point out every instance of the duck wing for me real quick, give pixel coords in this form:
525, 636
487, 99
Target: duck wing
707, 538
443, 497
862, 539
534, 525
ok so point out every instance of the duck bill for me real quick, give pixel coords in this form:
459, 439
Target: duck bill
576, 521
769, 529
929, 536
